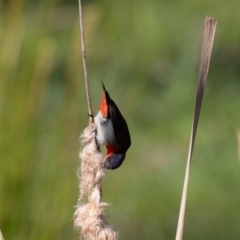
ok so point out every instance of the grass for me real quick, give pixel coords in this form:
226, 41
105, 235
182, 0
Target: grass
148, 59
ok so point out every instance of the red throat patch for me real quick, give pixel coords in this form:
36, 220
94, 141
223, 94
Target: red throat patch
104, 106
111, 149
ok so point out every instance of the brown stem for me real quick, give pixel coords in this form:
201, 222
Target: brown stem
84, 58
208, 37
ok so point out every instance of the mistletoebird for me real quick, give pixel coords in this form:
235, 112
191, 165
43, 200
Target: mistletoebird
112, 131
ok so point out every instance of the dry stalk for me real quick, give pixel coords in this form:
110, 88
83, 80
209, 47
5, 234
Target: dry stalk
84, 58
89, 214
208, 37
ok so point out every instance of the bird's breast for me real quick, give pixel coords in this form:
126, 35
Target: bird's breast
105, 132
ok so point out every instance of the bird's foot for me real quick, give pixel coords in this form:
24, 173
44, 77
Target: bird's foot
91, 115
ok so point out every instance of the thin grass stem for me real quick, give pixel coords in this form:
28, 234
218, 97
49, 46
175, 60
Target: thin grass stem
208, 37
84, 58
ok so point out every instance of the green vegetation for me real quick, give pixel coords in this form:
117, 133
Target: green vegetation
147, 55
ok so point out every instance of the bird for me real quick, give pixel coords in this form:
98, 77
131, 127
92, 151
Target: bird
112, 131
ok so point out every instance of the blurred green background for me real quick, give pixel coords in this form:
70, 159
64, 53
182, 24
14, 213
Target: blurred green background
147, 54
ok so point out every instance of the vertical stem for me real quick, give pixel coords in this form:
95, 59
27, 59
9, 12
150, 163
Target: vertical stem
84, 58
208, 37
